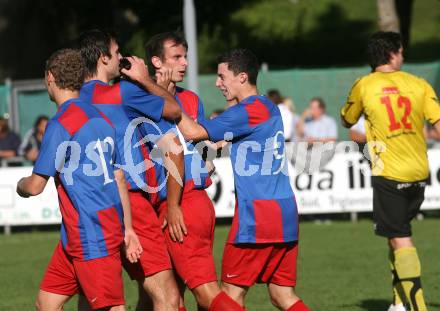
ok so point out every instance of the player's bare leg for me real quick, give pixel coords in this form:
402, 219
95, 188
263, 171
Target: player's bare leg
206, 293
182, 288
163, 291
408, 270
285, 298
238, 293
49, 301
144, 302
396, 243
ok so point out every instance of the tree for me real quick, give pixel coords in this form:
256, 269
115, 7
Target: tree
387, 14
395, 15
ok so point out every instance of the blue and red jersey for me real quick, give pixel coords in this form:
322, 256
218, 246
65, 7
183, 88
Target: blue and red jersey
266, 210
196, 174
79, 151
116, 101
152, 132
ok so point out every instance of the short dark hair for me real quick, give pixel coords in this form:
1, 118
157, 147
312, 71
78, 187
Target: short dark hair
4, 125
241, 60
380, 46
275, 96
39, 119
155, 46
92, 44
321, 102
68, 69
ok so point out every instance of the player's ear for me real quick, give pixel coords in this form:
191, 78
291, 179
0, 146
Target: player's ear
243, 77
104, 59
157, 62
49, 77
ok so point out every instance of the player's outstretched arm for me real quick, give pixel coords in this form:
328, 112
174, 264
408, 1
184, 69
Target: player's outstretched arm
211, 153
174, 163
31, 185
191, 130
139, 73
133, 248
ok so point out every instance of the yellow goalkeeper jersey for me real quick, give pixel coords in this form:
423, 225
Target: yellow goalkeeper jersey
395, 105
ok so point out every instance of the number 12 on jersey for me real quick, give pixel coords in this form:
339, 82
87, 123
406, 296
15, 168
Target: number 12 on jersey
402, 103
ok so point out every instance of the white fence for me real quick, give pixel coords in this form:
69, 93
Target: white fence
342, 186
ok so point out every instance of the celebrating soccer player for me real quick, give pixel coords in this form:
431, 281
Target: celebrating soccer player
78, 150
192, 258
263, 242
395, 105
100, 52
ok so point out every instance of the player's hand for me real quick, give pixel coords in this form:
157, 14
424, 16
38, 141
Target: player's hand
176, 223
138, 71
21, 192
133, 248
163, 77
307, 113
164, 223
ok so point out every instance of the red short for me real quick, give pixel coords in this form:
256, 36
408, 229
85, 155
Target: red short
193, 259
100, 280
246, 264
146, 224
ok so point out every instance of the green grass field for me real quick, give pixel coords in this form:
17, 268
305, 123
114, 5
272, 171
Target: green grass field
342, 266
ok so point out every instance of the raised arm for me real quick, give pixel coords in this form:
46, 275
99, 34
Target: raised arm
191, 130
299, 127
139, 73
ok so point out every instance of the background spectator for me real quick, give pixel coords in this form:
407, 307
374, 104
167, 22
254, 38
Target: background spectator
31, 143
288, 102
287, 115
9, 141
315, 125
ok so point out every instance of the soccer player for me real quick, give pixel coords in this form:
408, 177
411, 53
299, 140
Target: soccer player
100, 52
78, 151
395, 105
192, 258
262, 245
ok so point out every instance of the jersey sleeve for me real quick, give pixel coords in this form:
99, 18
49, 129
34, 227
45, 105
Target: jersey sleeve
431, 108
231, 124
353, 108
116, 157
200, 110
53, 137
139, 103
153, 131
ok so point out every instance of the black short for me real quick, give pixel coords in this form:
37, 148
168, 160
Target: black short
395, 204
